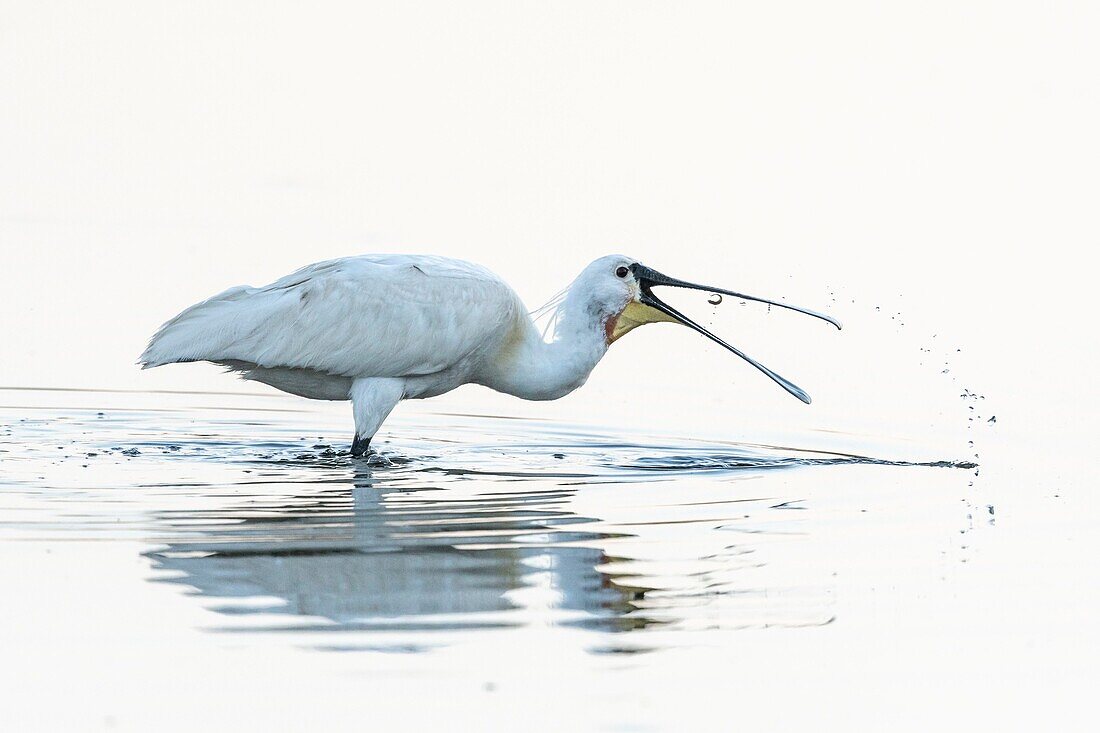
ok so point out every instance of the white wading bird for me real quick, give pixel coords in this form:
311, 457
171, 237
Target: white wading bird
378, 329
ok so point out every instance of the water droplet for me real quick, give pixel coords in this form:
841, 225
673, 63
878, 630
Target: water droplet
714, 299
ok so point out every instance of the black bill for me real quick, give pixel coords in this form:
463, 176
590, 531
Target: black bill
647, 278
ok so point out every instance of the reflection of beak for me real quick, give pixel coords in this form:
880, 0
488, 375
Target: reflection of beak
648, 278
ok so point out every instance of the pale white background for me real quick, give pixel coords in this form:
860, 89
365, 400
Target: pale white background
937, 160
934, 159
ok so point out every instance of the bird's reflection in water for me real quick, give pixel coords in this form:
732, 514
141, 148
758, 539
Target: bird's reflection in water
480, 524
372, 555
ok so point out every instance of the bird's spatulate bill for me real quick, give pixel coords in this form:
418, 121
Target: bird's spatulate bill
647, 278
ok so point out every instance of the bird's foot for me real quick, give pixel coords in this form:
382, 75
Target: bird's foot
360, 446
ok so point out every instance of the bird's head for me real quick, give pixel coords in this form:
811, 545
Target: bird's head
620, 296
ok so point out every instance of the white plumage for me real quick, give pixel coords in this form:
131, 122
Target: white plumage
367, 316
377, 329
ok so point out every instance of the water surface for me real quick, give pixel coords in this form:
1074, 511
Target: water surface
461, 525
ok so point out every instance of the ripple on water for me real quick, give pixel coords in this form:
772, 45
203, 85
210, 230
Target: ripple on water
434, 540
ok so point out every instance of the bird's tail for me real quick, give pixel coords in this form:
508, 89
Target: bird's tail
199, 333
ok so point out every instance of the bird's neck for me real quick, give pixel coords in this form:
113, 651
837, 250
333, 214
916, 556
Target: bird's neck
534, 369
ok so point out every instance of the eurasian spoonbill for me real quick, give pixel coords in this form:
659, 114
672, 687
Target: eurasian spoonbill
377, 329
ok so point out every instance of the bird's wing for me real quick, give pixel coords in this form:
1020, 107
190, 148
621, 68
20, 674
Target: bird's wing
366, 316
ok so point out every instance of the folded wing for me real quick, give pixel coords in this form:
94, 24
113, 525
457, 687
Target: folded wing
367, 316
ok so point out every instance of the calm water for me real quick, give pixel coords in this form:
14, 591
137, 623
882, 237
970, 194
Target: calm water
463, 524
468, 542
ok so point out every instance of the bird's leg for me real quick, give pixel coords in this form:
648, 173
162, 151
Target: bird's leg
372, 399
359, 446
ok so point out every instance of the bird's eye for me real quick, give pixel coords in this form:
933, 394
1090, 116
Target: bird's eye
622, 272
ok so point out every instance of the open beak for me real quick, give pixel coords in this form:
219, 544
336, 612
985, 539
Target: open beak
648, 278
